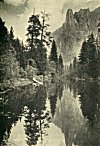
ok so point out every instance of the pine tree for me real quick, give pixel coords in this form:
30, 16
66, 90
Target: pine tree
44, 43
74, 63
11, 35
70, 67
3, 37
23, 60
87, 59
38, 37
33, 31
53, 54
61, 66
8, 63
83, 53
20, 52
19, 48
61, 61
3, 48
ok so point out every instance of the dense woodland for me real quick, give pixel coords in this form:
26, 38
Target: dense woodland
19, 60
47, 99
87, 65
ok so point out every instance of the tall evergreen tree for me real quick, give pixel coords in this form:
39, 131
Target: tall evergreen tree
70, 67
53, 53
19, 48
3, 37
8, 62
83, 53
23, 60
38, 37
61, 61
20, 52
87, 59
3, 48
74, 63
45, 42
11, 35
33, 32
61, 66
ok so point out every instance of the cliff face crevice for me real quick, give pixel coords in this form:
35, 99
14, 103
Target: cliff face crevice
73, 31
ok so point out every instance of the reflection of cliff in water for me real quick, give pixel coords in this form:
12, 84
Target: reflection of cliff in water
69, 117
78, 114
75, 109
30, 103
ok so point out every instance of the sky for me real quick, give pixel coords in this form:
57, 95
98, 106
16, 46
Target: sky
16, 12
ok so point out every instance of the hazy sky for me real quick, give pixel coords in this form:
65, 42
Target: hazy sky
16, 12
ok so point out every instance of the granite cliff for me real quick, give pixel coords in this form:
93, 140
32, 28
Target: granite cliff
74, 30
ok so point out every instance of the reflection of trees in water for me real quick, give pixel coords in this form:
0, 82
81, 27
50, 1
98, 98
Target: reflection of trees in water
60, 89
55, 91
53, 99
9, 112
37, 118
89, 134
88, 99
80, 130
11, 107
31, 129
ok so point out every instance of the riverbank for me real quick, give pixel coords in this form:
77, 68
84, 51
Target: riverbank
20, 82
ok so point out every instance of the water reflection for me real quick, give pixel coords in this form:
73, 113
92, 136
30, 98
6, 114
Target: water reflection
69, 116
36, 117
30, 103
88, 94
90, 104
55, 92
56, 114
10, 110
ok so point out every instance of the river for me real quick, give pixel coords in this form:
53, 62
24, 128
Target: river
55, 114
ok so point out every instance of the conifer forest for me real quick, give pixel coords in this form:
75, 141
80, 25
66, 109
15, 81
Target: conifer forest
49, 73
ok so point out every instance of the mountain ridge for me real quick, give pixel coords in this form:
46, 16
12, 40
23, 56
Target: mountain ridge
74, 30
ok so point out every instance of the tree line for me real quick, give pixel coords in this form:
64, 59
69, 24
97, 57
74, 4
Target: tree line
87, 65
15, 55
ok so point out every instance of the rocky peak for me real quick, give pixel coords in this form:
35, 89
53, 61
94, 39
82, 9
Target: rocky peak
94, 19
82, 13
70, 20
77, 26
96, 11
69, 15
82, 17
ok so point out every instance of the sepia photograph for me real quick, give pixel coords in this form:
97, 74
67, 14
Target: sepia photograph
49, 72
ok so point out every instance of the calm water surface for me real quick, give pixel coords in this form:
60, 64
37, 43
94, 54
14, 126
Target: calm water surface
57, 114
